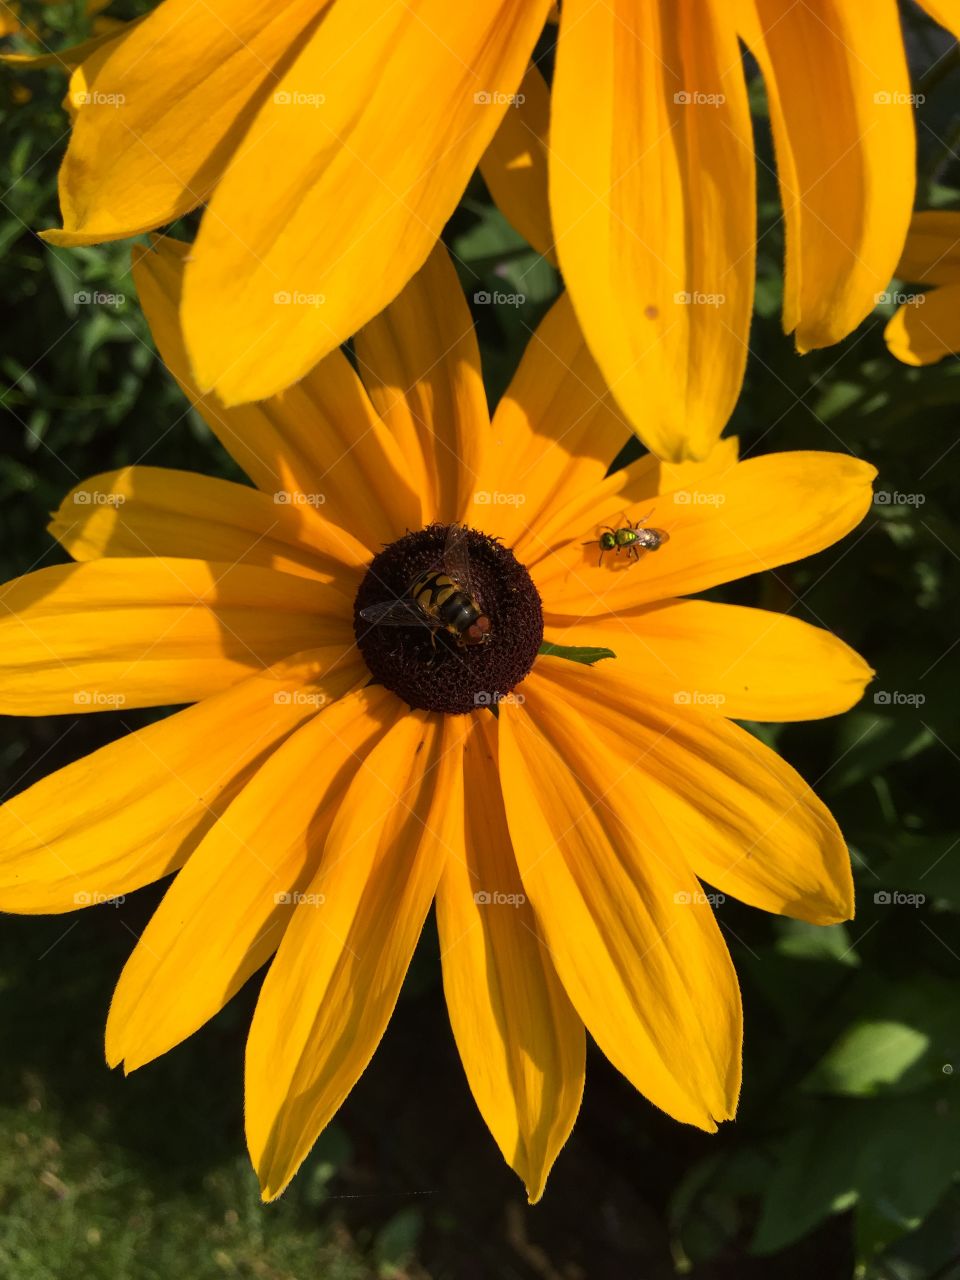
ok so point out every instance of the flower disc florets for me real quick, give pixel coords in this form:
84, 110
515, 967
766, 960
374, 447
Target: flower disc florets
428, 665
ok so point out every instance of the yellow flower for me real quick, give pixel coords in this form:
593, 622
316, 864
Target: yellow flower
332, 140
926, 327
314, 816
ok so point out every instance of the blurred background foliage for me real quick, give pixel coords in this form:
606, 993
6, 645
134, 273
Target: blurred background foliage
845, 1156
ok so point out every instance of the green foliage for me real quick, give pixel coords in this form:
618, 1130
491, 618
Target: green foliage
846, 1153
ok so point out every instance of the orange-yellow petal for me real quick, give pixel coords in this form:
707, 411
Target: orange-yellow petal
652, 191
759, 514
345, 180
748, 664
133, 811
555, 433
521, 1043
841, 109
634, 941
927, 329
153, 632
514, 166
156, 511
226, 911
172, 104
932, 252
335, 980
420, 363
319, 445
746, 822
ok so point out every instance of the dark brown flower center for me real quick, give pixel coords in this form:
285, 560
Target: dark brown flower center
442, 639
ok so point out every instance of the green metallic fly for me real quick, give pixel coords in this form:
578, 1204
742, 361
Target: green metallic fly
633, 538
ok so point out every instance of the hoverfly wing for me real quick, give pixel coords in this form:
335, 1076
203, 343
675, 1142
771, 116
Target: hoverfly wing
395, 613
456, 558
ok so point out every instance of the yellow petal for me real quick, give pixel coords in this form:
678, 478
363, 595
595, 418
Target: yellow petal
748, 664
652, 190
555, 433
927, 329
762, 513
747, 823
521, 1043
633, 940
152, 632
514, 166
155, 511
946, 12
134, 810
932, 252
226, 911
420, 363
172, 104
320, 445
345, 180
335, 980
839, 92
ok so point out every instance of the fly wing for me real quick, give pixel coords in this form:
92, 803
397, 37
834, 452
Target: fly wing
456, 559
395, 613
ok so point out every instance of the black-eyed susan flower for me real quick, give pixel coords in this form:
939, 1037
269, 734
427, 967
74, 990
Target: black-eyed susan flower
334, 776
926, 325
332, 140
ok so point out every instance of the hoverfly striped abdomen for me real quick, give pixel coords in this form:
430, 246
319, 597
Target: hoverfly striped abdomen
449, 606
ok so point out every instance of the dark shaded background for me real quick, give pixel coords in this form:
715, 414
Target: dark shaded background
845, 1155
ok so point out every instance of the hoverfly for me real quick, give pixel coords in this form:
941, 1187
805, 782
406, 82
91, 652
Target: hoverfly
637, 540
441, 600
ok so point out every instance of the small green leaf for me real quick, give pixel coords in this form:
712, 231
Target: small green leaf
867, 1056
575, 652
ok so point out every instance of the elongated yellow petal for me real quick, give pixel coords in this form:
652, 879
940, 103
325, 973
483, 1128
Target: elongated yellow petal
320, 445
514, 166
345, 180
152, 632
747, 664
335, 980
521, 1043
927, 329
156, 511
842, 116
633, 939
761, 513
652, 191
226, 911
932, 252
172, 104
747, 823
420, 363
555, 433
135, 810
946, 12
